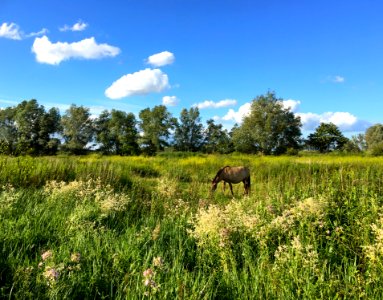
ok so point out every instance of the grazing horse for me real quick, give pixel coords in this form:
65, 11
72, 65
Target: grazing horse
232, 175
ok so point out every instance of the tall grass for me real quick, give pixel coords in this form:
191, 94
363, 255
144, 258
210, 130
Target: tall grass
135, 227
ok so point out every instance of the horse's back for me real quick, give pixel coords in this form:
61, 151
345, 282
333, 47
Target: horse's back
238, 170
237, 174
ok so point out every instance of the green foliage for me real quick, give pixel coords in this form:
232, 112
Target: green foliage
269, 128
156, 124
359, 141
117, 133
217, 139
8, 138
374, 139
77, 129
327, 137
376, 149
188, 135
28, 129
356, 144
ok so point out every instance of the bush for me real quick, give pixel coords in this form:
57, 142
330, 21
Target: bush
376, 149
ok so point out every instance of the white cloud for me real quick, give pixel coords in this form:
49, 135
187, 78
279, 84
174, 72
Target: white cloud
170, 100
309, 120
79, 26
11, 31
161, 59
138, 83
7, 103
39, 33
212, 104
237, 116
334, 79
291, 104
344, 120
338, 79
54, 53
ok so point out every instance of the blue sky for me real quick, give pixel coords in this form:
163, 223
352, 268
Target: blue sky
324, 58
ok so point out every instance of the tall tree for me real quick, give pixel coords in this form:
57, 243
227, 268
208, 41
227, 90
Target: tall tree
327, 137
356, 144
269, 128
359, 141
117, 133
77, 129
49, 128
156, 125
29, 129
103, 134
188, 135
217, 139
28, 117
374, 139
8, 131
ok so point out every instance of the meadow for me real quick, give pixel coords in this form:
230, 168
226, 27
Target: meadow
98, 227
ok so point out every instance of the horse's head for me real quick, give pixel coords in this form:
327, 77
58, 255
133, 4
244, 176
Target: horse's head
214, 185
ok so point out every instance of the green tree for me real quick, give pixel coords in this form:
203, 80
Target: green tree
269, 128
217, 139
356, 144
77, 129
327, 137
29, 129
103, 134
374, 139
27, 119
8, 131
156, 125
50, 127
360, 141
117, 133
188, 135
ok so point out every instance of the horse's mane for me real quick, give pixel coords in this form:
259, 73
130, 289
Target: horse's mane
220, 171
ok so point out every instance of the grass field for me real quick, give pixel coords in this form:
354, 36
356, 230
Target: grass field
148, 228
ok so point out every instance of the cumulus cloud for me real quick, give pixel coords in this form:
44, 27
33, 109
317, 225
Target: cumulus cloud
13, 32
170, 100
10, 31
212, 104
291, 104
138, 83
344, 120
237, 116
161, 59
54, 53
79, 26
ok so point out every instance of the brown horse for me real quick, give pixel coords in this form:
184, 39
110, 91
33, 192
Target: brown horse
232, 175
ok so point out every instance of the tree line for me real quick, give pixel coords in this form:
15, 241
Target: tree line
270, 129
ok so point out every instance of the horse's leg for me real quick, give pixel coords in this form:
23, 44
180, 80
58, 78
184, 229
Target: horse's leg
245, 186
231, 189
246, 183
